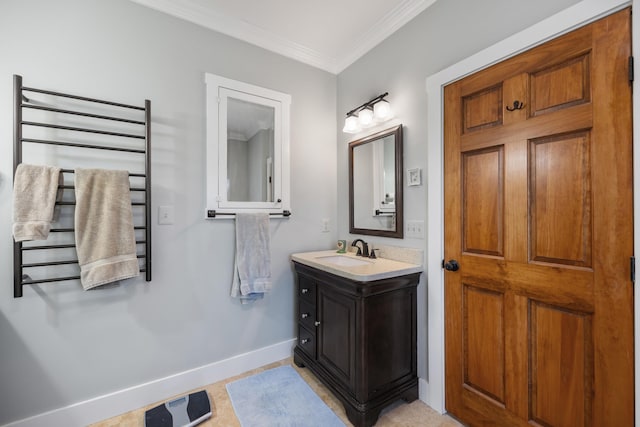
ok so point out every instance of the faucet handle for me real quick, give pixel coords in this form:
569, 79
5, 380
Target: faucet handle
373, 253
359, 253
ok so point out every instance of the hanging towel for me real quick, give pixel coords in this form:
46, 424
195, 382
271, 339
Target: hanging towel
105, 239
252, 270
34, 198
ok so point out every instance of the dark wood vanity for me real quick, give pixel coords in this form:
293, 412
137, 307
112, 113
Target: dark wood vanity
359, 339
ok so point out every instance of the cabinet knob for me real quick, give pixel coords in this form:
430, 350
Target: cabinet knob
316, 323
304, 315
304, 341
305, 290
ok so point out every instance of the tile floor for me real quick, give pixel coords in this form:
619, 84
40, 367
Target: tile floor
415, 414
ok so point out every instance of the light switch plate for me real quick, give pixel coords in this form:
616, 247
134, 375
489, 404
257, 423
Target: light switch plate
165, 215
414, 229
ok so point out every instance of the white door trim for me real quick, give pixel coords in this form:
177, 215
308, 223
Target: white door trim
575, 16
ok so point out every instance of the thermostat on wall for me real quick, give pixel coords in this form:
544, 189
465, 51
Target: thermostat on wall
184, 411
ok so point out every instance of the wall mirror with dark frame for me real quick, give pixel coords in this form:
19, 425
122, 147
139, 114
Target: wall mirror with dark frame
375, 184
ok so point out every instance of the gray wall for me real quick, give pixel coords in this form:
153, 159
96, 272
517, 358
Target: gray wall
60, 345
445, 33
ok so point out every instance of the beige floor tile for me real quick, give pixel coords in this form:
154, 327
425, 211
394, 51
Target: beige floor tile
400, 414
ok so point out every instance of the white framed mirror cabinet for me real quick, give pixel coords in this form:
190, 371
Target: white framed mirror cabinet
248, 136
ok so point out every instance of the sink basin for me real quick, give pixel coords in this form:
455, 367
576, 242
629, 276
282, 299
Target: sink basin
343, 261
355, 268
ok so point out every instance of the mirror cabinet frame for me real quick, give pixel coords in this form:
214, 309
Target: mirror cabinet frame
218, 90
399, 200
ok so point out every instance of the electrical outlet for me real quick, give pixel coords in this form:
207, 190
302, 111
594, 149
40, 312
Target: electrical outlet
165, 215
325, 225
415, 229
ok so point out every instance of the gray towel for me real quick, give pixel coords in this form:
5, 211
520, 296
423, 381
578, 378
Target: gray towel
105, 239
34, 198
253, 257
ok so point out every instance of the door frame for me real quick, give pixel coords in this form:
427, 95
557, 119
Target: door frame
581, 13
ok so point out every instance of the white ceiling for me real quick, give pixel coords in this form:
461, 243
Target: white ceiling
327, 34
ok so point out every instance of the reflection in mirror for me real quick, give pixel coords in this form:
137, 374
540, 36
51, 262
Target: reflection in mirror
375, 184
384, 175
250, 151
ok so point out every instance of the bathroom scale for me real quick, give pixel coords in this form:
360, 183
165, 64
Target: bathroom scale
184, 411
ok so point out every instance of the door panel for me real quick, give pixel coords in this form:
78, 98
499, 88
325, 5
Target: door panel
483, 335
561, 366
538, 193
483, 198
560, 199
483, 109
562, 85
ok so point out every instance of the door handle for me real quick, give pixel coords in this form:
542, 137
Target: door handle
451, 265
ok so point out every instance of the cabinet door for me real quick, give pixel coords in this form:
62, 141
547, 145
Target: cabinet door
390, 341
337, 334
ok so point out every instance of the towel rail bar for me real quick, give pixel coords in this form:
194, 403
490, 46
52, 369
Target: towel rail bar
79, 98
78, 129
65, 246
21, 102
70, 203
78, 113
52, 263
48, 264
49, 280
71, 230
73, 144
38, 248
72, 187
57, 279
212, 213
138, 175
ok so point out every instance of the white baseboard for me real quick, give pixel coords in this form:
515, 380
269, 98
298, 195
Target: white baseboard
112, 404
423, 394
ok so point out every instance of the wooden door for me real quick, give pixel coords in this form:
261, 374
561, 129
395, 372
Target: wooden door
538, 214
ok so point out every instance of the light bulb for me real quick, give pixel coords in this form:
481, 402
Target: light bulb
365, 117
351, 125
382, 111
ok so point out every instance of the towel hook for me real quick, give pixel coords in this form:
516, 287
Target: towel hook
517, 105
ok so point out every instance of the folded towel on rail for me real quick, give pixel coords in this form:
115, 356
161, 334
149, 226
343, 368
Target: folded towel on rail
105, 238
252, 270
34, 198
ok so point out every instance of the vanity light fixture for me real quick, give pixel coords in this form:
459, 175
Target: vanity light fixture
375, 111
351, 124
382, 111
365, 117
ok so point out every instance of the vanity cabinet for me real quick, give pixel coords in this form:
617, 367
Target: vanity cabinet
359, 339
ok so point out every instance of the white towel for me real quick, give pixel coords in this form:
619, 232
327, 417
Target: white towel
34, 198
105, 238
253, 257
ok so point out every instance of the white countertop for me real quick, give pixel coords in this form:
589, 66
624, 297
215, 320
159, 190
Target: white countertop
374, 269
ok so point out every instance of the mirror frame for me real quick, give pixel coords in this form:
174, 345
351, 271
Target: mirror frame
216, 121
399, 200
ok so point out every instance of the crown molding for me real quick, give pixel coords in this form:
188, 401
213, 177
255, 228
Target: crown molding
382, 29
205, 17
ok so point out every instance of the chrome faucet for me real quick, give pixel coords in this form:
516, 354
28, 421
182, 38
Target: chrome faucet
365, 248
